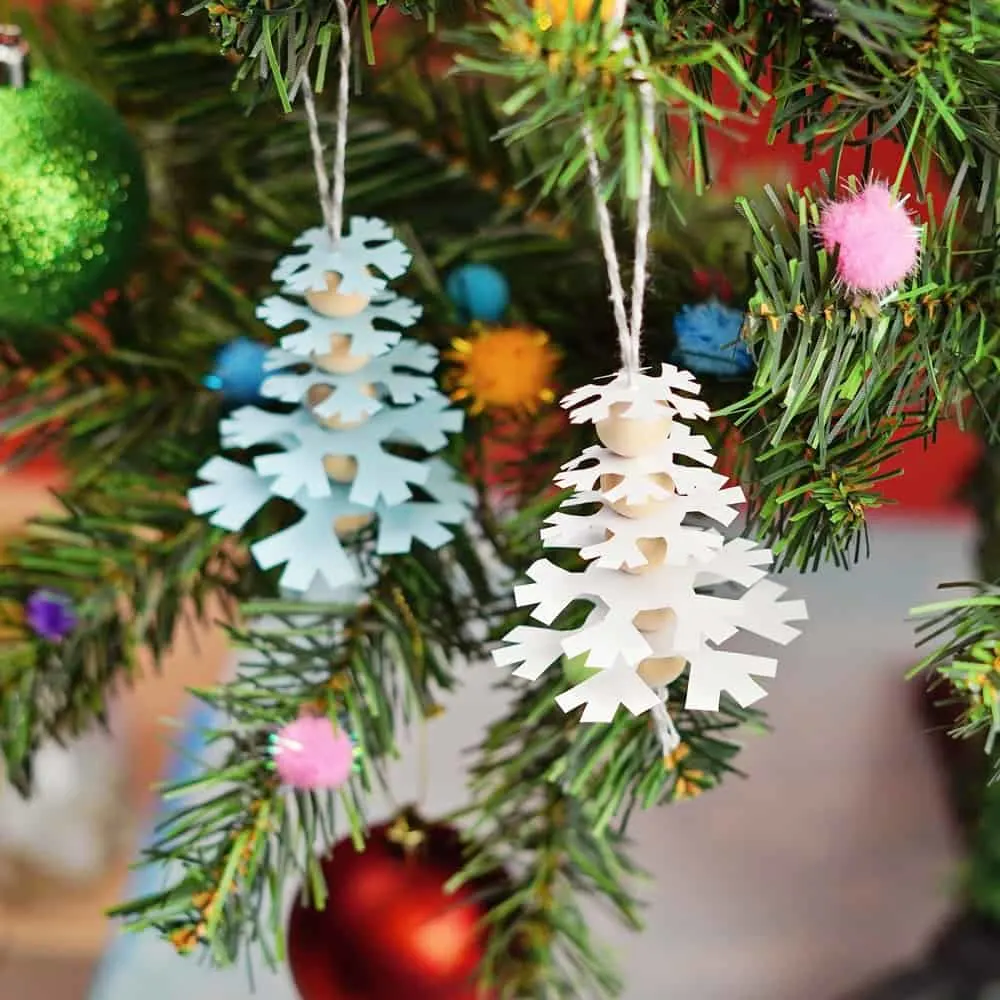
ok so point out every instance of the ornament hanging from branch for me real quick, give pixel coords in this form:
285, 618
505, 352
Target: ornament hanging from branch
648, 564
358, 447
73, 199
651, 563
364, 393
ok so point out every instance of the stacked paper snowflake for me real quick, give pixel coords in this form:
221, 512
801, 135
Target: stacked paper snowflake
649, 566
355, 449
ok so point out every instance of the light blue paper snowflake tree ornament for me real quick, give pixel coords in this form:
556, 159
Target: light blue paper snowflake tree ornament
357, 448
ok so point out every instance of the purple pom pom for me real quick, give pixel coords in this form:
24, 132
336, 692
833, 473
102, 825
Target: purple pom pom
50, 615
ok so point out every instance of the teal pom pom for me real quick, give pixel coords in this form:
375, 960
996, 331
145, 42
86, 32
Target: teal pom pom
479, 292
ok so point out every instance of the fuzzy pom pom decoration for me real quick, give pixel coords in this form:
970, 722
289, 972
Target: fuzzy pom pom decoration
50, 615
312, 754
239, 371
879, 243
708, 340
479, 292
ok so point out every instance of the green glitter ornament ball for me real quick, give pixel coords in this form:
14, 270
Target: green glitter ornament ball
73, 202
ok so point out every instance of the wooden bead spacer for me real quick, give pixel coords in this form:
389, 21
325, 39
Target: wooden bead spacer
339, 359
609, 480
351, 524
320, 393
340, 468
333, 303
654, 550
631, 438
653, 620
659, 671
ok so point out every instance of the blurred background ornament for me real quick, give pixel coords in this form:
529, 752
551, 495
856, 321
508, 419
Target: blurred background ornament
73, 194
479, 293
389, 929
76, 824
503, 368
708, 340
239, 371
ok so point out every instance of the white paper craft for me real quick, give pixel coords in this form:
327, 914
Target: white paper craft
361, 389
649, 566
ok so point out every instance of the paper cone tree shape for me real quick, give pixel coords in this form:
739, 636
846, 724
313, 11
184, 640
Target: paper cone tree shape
652, 561
361, 393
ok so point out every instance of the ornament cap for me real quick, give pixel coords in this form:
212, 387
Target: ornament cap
14, 58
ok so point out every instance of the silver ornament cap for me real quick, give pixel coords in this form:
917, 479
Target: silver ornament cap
14, 53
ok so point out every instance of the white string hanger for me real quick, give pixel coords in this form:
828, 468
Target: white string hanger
628, 324
331, 195
643, 220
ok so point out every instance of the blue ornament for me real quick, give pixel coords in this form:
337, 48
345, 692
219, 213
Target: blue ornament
239, 371
479, 292
708, 340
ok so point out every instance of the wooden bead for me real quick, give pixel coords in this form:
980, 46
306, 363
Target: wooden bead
339, 360
653, 549
631, 438
659, 671
340, 468
318, 394
331, 302
653, 620
655, 552
610, 480
351, 524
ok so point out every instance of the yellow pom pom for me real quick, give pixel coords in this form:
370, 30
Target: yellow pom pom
507, 368
555, 13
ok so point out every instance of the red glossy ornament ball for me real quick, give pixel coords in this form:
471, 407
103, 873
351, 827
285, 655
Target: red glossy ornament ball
389, 929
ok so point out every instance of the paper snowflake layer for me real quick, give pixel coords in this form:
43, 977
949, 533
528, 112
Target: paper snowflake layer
358, 419
366, 258
651, 564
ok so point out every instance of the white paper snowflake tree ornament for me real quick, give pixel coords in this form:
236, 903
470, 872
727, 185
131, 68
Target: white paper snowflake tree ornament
368, 417
648, 565
640, 492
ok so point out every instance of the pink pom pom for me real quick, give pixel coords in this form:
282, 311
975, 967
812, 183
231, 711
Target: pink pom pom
879, 244
311, 753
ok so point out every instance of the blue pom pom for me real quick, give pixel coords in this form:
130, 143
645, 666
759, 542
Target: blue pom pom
708, 340
239, 371
479, 292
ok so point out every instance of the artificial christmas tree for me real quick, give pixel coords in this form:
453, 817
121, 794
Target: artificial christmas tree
576, 132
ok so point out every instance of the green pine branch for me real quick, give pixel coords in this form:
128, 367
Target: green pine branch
840, 385
136, 566
551, 798
921, 73
964, 633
